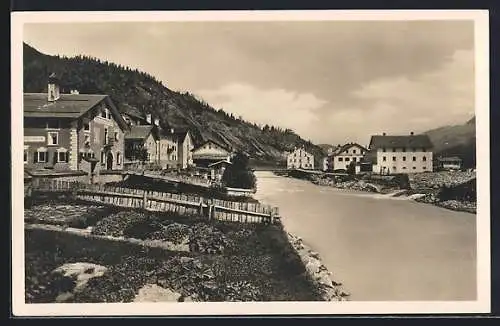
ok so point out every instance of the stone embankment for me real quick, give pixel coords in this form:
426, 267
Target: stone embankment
329, 289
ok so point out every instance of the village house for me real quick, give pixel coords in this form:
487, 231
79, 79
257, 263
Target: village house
185, 146
300, 159
449, 163
209, 152
344, 155
401, 154
141, 144
71, 132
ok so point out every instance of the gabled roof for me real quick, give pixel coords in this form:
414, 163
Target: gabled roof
347, 146
220, 162
36, 105
139, 132
211, 140
408, 141
67, 106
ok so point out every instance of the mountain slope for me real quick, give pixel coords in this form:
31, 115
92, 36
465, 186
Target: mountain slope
458, 140
140, 90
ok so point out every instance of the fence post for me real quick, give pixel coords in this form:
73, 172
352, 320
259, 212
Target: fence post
145, 200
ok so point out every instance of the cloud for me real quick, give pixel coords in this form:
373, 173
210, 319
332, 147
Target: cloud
400, 104
279, 107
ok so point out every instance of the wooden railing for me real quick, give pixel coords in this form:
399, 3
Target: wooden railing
173, 177
184, 205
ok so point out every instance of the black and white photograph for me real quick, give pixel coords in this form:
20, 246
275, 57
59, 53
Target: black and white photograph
299, 162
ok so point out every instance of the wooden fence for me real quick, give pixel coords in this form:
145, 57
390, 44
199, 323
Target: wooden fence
185, 205
173, 177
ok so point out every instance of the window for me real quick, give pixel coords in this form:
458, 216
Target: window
103, 158
425, 168
354, 159
53, 124
394, 158
25, 155
62, 155
340, 159
384, 158
53, 138
404, 158
86, 127
424, 159
414, 158
347, 159
41, 155
414, 168
354, 151
105, 136
118, 158
105, 113
117, 137
404, 167
86, 140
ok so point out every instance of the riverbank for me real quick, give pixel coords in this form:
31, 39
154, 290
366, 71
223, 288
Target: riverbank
430, 188
196, 261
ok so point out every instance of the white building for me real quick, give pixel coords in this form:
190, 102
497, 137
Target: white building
401, 154
300, 159
345, 155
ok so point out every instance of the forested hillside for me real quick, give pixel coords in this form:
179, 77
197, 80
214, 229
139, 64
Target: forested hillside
140, 90
458, 140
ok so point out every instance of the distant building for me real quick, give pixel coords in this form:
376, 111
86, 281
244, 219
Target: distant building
449, 163
72, 131
142, 137
185, 146
300, 159
401, 154
210, 151
345, 155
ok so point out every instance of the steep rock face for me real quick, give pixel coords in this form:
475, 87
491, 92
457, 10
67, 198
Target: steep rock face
140, 90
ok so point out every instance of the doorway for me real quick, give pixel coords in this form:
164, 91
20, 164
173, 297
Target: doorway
109, 161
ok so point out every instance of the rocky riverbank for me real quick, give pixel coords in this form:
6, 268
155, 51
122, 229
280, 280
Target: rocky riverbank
218, 261
423, 187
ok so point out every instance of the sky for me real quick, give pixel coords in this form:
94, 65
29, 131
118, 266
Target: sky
330, 81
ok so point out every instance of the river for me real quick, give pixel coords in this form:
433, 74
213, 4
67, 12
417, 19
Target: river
380, 248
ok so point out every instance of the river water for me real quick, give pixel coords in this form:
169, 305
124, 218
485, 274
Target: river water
380, 248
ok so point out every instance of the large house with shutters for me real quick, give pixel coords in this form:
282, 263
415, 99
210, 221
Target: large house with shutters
343, 156
70, 132
401, 154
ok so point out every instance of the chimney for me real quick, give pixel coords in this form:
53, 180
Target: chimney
384, 134
148, 118
53, 88
411, 133
157, 122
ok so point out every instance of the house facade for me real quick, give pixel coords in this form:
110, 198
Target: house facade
210, 152
401, 154
168, 149
142, 138
300, 159
63, 132
184, 148
449, 163
344, 155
